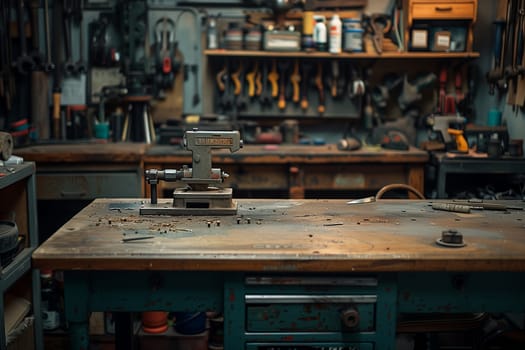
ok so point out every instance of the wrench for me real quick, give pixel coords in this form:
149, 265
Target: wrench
38, 57
48, 65
80, 65
24, 63
69, 66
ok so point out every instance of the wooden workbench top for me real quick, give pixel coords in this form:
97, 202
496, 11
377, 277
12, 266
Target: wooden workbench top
257, 154
83, 152
276, 154
288, 235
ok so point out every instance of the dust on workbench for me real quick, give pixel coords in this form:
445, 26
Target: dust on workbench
291, 229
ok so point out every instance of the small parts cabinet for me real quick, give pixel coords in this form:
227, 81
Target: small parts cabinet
314, 312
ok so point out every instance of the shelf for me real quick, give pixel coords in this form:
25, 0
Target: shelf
360, 55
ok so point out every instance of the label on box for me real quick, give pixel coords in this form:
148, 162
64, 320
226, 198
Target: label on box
420, 38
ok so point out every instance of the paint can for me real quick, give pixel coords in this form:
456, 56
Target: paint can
353, 40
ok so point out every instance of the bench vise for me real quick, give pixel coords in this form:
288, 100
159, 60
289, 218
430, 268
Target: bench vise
200, 196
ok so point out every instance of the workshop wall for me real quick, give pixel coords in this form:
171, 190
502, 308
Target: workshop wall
514, 118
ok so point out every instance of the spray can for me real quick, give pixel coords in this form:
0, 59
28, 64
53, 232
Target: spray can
213, 42
335, 34
320, 35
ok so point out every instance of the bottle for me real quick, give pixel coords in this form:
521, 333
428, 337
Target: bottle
320, 34
50, 300
212, 34
335, 34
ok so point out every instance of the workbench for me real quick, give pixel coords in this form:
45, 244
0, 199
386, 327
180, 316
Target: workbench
286, 273
472, 166
301, 171
88, 171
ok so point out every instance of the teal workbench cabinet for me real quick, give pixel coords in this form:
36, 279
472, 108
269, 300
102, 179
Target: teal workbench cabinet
290, 273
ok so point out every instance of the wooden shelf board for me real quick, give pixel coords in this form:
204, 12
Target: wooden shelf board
359, 55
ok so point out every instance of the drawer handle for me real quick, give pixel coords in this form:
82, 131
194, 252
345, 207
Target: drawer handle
443, 9
67, 194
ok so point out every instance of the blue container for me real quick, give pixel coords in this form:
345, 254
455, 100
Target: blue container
190, 322
494, 117
353, 39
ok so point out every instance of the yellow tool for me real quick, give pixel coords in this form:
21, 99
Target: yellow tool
461, 142
250, 77
236, 80
296, 79
320, 88
219, 77
273, 77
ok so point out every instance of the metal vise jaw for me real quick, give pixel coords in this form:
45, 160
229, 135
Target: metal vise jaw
198, 197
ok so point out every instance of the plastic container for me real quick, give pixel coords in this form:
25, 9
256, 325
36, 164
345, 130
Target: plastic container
155, 322
213, 40
102, 130
320, 35
353, 40
190, 322
335, 34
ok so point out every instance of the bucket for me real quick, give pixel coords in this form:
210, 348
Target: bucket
190, 322
155, 322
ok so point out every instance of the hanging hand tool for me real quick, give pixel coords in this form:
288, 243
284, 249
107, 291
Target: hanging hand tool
320, 88
379, 24
306, 68
57, 76
495, 76
219, 78
24, 63
335, 77
250, 78
69, 65
238, 80
460, 96
295, 79
195, 71
258, 82
520, 83
273, 78
513, 72
48, 65
237, 87
227, 96
356, 85
36, 54
412, 90
283, 66
265, 97
80, 64
165, 47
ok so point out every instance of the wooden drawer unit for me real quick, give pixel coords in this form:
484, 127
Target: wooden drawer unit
443, 10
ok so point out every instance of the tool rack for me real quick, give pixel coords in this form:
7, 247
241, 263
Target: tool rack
17, 190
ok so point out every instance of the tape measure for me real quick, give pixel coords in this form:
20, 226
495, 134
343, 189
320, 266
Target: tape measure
6, 145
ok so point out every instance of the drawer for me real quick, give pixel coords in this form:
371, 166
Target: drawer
444, 10
309, 346
310, 313
88, 185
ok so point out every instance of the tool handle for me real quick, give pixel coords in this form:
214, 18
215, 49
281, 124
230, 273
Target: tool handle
236, 83
219, 79
250, 77
319, 85
273, 77
56, 114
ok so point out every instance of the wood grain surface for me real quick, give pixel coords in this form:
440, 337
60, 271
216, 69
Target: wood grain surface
288, 235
